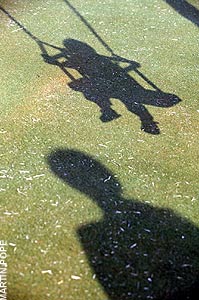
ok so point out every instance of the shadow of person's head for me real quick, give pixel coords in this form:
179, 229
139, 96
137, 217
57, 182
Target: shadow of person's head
137, 251
78, 48
85, 174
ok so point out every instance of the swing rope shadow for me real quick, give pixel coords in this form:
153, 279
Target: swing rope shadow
77, 13
185, 9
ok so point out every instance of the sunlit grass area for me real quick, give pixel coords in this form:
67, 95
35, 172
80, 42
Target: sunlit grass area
93, 207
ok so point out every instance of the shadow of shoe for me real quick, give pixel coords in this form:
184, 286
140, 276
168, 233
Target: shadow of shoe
151, 128
109, 116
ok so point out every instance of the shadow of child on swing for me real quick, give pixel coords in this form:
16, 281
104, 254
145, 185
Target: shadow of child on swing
102, 78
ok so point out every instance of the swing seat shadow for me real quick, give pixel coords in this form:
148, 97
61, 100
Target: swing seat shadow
102, 78
137, 251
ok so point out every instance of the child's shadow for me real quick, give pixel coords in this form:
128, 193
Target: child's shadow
103, 78
136, 251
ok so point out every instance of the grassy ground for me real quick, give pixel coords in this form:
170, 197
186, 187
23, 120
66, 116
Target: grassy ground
45, 215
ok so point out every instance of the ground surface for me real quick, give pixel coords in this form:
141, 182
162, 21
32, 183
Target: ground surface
71, 182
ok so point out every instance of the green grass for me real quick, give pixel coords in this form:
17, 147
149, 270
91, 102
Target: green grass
47, 218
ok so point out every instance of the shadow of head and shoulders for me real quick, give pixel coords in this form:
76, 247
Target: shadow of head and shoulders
137, 251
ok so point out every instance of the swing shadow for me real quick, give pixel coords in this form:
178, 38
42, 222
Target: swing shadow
186, 10
136, 251
102, 78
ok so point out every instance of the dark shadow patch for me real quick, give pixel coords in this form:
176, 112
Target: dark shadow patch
102, 78
137, 251
185, 9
